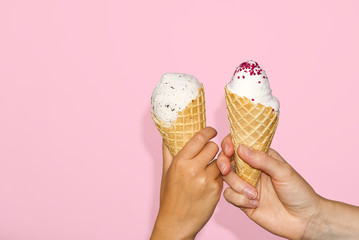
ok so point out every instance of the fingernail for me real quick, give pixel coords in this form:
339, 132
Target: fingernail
247, 151
222, 167
254, 203
250, 193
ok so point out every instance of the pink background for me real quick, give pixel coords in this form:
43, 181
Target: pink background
79, 155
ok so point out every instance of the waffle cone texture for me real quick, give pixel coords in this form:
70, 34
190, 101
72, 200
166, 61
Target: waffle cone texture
253, 125
189, 122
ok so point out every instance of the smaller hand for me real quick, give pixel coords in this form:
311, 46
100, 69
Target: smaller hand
285, 204
190, 188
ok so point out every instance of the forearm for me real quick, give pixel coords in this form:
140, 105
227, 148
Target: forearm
335, 220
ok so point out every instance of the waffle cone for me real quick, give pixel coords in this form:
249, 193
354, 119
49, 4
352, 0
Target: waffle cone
253, 125
189, 122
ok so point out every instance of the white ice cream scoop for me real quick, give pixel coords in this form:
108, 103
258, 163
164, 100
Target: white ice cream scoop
250, 80
172, 94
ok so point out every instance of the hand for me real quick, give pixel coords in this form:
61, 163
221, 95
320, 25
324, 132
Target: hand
285, 204
190, 188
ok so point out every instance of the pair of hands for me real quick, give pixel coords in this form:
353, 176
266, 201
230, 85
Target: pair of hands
283, 203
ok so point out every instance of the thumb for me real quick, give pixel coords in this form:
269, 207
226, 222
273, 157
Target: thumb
167, 158
276, 169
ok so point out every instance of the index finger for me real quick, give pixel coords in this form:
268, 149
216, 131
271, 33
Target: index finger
197, 142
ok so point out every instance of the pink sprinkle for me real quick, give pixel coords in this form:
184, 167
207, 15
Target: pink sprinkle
272, 109
243, 76
259, 82
253, 100
238, 77
264, 77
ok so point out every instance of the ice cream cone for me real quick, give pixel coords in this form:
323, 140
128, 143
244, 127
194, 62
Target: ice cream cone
189, 121
253, 125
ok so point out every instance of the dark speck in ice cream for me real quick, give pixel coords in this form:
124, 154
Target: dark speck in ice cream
172, 94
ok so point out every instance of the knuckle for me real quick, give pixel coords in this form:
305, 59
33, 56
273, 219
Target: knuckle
288, 171
237, 186
274, 154
199, 184
227, 194
211, 130
184, 169
200, 137
259, 157
191, 171
263, 156
178, 164
271, 152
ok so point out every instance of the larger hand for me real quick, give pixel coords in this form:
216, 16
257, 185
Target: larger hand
190, 188
287, 203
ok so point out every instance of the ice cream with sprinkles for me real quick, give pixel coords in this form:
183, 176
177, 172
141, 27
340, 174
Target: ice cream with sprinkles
250, 80
252, 113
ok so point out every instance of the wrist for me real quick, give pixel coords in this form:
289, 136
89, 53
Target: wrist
168, 228
335, 220
318, 226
